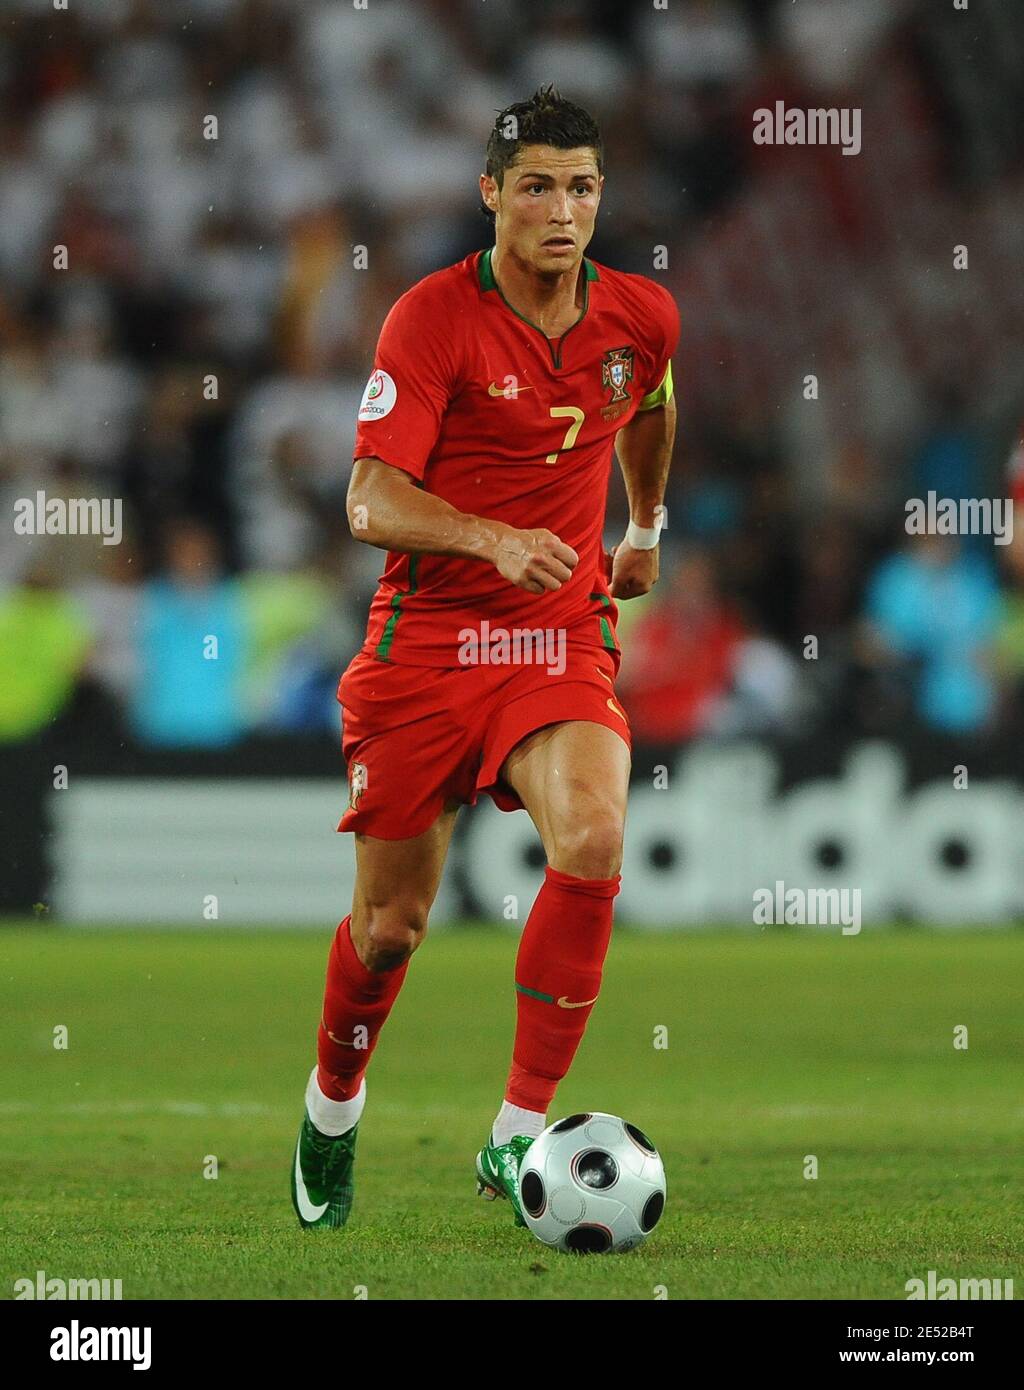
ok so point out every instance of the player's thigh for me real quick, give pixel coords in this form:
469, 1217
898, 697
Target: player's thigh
573, 779
396, 884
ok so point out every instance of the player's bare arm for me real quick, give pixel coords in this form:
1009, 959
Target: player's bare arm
386, 508
644, 449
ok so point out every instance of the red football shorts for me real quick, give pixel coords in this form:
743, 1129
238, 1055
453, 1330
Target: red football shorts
418, 737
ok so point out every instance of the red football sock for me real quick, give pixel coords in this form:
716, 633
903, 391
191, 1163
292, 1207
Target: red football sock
354, 999
561, 953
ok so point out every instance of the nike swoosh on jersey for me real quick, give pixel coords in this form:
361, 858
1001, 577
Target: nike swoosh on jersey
509, 395
564, 1003
605, 674
308, 1210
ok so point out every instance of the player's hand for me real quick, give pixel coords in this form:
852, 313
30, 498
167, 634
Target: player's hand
536, 561
631, 572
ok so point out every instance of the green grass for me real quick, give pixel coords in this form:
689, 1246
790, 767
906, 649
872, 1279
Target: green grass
780, 1044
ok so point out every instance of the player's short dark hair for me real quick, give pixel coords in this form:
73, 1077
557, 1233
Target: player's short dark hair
545, 119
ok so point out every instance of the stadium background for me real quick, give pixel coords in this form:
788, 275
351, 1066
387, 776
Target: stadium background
343, 169
137, 1061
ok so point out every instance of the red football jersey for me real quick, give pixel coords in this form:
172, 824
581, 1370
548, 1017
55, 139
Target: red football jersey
503, 422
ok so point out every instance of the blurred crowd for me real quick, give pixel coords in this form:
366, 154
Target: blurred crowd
243, 187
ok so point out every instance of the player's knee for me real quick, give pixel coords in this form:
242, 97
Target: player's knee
590, 846
392, 931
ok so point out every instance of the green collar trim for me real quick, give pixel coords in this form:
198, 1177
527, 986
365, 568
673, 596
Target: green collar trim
486, 274
488, 282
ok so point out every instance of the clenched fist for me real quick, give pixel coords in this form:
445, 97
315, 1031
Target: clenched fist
631, 572
536, 561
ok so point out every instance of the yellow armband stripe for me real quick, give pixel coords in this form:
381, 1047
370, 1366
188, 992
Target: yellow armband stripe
661, 395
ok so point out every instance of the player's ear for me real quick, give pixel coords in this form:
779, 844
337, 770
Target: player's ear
489, 192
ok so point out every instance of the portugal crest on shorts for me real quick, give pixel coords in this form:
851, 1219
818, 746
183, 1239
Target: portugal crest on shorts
616, 370
356, 784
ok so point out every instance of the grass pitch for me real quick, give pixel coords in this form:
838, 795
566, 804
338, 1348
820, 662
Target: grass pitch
186, 1045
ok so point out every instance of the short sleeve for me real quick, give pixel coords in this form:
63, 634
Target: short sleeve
664, 340
413, 379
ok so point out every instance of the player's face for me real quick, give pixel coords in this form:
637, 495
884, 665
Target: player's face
546, 206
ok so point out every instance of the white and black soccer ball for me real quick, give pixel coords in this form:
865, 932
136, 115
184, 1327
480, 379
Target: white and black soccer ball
592, 1185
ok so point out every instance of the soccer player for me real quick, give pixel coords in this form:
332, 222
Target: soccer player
500, 388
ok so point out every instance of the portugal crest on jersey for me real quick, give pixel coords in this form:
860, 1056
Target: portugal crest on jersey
616, 370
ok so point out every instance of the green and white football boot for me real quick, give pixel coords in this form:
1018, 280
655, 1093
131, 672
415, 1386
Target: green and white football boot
497, 1171
322, 1181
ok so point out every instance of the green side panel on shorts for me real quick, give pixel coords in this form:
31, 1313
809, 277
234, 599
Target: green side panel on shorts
388, 635
535, 994
607, 636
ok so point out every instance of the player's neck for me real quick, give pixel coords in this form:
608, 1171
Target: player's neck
552, 302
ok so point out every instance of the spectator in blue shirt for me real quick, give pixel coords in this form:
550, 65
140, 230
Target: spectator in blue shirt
936, 609
192, 640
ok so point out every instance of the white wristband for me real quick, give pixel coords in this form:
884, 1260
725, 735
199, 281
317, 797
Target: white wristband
645, 537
